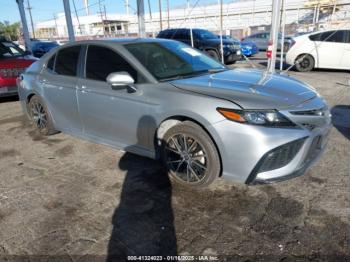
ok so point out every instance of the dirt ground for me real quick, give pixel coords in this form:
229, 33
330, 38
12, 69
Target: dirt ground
64, 199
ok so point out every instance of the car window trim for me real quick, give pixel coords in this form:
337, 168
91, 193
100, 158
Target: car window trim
113, 50
77, 65
52, 72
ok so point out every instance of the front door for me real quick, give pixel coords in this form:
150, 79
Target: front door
111, 115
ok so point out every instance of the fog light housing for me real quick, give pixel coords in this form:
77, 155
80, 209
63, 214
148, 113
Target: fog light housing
280, 156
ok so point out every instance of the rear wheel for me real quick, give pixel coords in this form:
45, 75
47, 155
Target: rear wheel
40, 116
213, 54
304, 63
190, 156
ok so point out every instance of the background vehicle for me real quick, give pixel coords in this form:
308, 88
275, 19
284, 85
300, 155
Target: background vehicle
247, 48
39, 48
327, 49
205, 41
163, 99
262, 41
13, 61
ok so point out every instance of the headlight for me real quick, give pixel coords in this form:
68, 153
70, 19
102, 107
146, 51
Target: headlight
257, 117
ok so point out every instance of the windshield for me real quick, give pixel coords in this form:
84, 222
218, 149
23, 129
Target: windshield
8, 49
169, 60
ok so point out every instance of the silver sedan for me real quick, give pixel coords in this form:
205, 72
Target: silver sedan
164, 100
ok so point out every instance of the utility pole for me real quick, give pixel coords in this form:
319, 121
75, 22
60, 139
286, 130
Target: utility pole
29, 8
86, 5
160, 15
151, 18
190, 22
283, 24
55, 18
221, 32
168, 8
276, 13
67, 14
24, 25
141, 18
127, 7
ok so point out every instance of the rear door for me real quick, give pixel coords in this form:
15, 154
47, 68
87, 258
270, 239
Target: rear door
345, 62
59, 80
330, 48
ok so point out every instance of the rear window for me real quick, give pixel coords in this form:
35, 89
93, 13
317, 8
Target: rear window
330, 36
67, 61
8, 49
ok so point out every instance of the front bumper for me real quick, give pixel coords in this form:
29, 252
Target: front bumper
244, 149
233, 57
8, 91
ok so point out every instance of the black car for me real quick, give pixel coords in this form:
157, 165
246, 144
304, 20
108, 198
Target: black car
205, 41
39, 48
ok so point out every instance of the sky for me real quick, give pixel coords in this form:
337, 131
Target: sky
45, 9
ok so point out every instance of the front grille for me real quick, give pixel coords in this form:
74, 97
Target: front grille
281, 156
314, 112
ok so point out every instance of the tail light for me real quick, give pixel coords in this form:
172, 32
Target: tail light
10, 72
269, 50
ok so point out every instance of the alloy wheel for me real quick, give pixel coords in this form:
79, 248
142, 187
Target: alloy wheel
186, 158
39, 115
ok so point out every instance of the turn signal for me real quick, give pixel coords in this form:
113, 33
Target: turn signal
231, 115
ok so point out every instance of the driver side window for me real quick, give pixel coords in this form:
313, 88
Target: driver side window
102, 61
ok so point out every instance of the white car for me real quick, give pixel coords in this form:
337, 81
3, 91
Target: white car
326, 49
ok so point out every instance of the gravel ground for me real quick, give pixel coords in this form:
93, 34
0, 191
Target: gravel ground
65, 199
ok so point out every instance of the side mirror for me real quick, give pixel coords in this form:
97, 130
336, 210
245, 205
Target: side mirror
27, 52
120, 80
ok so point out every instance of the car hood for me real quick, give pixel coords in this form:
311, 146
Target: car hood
250, 88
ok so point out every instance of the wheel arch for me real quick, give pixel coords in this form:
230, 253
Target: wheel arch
171, 121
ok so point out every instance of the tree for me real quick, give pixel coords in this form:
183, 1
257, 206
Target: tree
10, 31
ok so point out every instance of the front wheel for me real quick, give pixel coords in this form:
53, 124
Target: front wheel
213, 54
190, 156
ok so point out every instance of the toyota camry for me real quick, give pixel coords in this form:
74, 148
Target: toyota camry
165, 100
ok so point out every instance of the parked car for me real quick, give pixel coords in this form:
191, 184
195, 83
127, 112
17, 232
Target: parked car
165, 100
262, 41
327, 49
247, 48
39, 48
205, 41
13, 61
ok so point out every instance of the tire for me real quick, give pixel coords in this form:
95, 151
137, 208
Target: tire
194, 164
304, 63
213, 54
40, 116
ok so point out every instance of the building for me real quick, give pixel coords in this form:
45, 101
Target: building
239, 17
89, 26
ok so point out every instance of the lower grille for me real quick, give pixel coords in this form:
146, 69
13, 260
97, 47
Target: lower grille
314, 149
281, 156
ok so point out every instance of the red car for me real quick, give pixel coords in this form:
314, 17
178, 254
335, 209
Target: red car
13, 61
